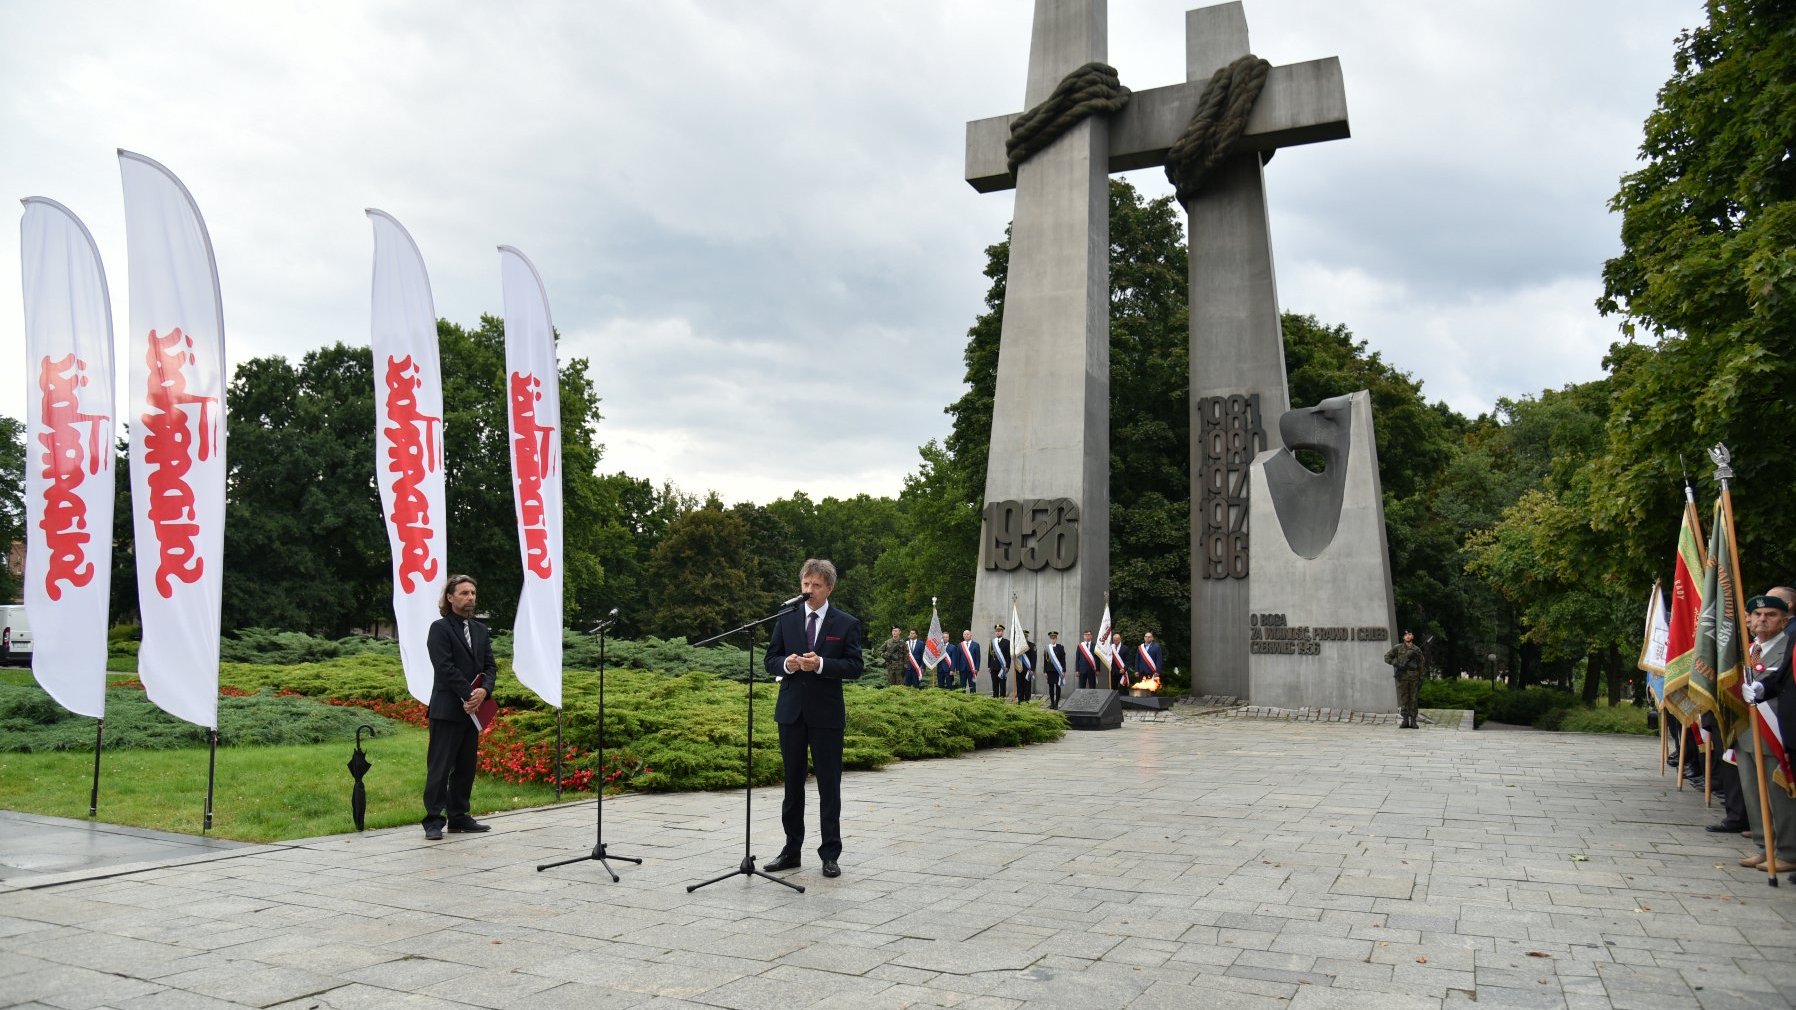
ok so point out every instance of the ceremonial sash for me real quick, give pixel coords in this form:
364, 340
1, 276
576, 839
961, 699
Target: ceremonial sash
1091, 661
966, 649
916, 667
1003, 660
1147, 657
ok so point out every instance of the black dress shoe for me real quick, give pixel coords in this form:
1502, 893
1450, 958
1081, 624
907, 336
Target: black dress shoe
1725, 828
468, 825
779, 863
830, 869
1693, 781
434, 833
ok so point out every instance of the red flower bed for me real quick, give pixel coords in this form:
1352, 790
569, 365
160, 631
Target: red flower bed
406, 711
509, 757
505, 754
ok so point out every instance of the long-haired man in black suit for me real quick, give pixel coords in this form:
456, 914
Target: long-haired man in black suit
459, 650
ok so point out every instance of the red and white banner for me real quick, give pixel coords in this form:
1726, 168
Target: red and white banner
533, 406
408, 441
177, 417
68, 454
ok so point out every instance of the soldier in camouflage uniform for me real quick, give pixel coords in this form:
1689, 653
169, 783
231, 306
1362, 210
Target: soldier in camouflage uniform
1406, 665
891, 652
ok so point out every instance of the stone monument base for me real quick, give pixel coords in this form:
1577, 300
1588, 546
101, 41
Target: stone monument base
1319, 622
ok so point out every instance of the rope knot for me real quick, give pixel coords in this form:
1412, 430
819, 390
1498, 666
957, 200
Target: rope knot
1093, 89
1217, 124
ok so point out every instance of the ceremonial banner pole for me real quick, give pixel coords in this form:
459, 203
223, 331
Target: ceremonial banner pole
408, 440
1662, 769
69, 492
93, 794
1655, 637
1724, 475
177, 444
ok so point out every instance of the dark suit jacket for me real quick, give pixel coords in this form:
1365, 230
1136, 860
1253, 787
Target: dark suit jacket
998, 662
816, 698
1047, 664
1123, 656
1079, 663
456, 665
1140, 664
957, 656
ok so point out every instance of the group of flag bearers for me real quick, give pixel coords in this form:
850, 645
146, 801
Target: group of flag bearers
1013, 665
1730, 702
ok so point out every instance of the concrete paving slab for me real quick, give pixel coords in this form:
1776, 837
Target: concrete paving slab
36, 849
1220, 861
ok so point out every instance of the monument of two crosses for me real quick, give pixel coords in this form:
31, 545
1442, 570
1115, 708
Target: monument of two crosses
1300, 613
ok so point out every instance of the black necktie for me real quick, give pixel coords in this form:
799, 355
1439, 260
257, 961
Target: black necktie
811, 632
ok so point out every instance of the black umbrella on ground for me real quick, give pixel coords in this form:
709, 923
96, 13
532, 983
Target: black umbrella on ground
358, 767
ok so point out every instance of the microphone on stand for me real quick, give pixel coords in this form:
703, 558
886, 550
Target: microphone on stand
804, 597
610, 619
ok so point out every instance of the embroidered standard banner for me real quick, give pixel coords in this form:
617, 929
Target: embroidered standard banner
935, 647
176, 412
533, 402
68, 454
408, 441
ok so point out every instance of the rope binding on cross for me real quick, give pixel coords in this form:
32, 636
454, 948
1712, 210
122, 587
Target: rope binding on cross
1093, 89
1217, 124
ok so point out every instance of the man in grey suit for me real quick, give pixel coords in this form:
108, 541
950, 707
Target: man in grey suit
814, 648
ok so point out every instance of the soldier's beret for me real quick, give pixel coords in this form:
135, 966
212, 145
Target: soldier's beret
1774, 602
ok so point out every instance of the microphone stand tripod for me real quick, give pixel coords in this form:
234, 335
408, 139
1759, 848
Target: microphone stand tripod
747, 867
598, 852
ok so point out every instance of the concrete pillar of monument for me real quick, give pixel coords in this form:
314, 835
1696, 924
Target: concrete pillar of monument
1045, 535
1238, 389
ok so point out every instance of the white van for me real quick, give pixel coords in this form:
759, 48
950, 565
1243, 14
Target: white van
15, 635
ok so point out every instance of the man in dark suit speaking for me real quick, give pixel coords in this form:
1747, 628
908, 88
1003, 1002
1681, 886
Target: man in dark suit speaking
814, 648
460, 651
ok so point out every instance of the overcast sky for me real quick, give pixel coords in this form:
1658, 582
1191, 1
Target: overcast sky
750, 217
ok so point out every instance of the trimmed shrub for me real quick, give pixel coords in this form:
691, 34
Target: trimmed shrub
31, 721
1525, 707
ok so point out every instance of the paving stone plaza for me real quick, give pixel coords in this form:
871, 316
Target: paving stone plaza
1190, 862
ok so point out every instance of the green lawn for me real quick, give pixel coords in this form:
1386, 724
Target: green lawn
263, 794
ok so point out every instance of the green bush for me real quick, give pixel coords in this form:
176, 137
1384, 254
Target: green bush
372, 674
1525, 707
1539, 707
1600, 719
1476, 695
285, 648
31, 721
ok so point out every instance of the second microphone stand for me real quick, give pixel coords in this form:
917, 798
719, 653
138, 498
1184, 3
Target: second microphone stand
747, 867
599, 852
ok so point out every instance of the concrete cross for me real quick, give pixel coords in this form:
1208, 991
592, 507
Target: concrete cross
1046, 531
1238, 388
